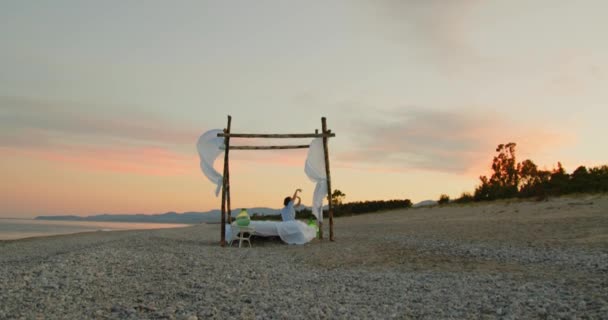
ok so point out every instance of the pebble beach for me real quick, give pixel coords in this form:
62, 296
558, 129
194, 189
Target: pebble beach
499, 260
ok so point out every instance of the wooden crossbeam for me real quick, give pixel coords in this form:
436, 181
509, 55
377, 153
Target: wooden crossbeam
328, 134
302, 146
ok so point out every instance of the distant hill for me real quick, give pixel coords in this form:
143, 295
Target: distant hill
212, 216
425, 203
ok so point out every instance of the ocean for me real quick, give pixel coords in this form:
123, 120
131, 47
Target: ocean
11, 229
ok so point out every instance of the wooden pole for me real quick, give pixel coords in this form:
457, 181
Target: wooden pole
225, 186
327, 172
320, 221
229, 211
276, 136
223, 213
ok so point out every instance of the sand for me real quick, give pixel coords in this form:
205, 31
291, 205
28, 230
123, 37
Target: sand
505, 259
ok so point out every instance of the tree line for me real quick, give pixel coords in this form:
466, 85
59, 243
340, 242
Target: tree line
344, 209
509, 179
512, 179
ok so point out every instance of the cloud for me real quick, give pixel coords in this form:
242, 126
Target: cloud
122, 159
439, 27
445, 141
92, 139
578, 72
24, 119
69, 133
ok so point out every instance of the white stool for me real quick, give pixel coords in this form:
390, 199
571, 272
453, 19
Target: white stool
242, 234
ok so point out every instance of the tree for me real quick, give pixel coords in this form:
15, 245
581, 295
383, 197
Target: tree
599, 178
531, 180
444, 199
504, 181
580, 180
505, 169
484, 190
528, 173
559, 180
337, 197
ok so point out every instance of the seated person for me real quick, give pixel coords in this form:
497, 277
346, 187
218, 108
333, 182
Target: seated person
288, 213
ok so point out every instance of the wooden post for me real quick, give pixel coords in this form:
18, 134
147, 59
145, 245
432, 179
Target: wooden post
320, 221
229, 211
329, 200
225, 186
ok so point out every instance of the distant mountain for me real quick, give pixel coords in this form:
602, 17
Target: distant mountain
212, 216
425, 203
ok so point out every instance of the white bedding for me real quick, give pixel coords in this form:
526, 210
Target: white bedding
291, 232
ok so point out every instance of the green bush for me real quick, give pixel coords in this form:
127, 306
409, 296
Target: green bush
465, 197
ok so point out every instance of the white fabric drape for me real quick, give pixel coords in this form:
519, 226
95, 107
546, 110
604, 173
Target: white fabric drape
291, 232
209, 147
296, 232
315, 170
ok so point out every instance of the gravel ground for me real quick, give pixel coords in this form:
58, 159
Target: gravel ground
506, 260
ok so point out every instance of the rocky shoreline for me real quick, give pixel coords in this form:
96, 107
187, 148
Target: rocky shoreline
418, 263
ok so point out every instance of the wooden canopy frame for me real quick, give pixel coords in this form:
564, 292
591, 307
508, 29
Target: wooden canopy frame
325, 134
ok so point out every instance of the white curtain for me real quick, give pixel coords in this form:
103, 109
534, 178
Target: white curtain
209, 147
315, 170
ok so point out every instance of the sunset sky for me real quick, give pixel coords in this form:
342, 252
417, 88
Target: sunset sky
102, 102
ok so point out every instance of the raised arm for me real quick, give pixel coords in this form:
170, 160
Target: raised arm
295, 194
299, 201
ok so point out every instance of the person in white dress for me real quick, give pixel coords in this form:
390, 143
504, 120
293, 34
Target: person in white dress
288, 213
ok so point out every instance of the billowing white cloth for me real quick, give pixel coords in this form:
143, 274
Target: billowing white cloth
291, 232
296, 232
315, 170
209, 148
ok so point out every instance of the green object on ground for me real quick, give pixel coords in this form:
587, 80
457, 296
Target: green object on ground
312, 223
242, 219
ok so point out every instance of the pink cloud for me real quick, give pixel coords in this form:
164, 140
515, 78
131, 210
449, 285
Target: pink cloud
158, 161
137, 160
462, 143
66, 132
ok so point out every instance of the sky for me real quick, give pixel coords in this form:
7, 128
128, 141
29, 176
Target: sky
102, 102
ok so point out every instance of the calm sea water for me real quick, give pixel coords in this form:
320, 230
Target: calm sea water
24, 228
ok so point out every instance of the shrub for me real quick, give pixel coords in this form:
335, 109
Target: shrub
465, 197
